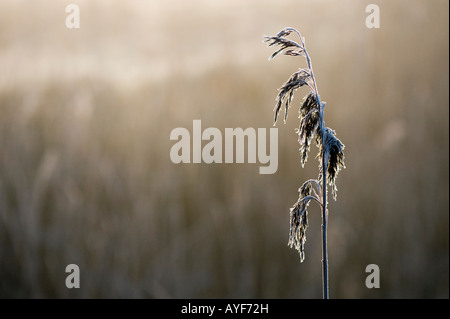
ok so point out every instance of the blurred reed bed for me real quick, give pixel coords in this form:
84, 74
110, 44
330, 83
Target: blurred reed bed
86, 178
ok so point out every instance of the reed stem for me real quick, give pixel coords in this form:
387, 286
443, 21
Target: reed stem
331, 148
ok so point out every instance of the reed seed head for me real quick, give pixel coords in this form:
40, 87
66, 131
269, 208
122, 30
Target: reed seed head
298, 226
331, 149
286, 91
284, 44
334, 158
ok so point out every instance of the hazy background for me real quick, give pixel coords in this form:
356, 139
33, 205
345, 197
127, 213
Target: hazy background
86, 177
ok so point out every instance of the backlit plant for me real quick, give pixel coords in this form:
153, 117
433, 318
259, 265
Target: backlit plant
312, 127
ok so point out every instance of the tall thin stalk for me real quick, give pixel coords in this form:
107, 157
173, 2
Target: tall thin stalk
324, 176
331, 156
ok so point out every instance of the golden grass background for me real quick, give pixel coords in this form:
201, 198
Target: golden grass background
86, 177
